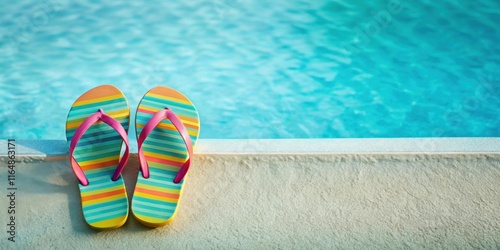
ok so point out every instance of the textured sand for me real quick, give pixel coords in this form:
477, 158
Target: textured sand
250, 202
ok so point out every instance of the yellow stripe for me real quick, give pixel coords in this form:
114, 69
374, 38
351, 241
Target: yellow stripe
100, 99
163, 166
170, 99
155, 188
90, 162
164, 157
117, 115
152, 220
104, 199
107, 223
155, 197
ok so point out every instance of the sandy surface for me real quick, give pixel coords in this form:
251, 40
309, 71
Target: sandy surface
250, 202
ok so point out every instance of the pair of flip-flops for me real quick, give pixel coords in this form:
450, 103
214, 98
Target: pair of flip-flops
167, 127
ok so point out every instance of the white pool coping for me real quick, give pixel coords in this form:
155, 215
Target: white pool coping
489, 145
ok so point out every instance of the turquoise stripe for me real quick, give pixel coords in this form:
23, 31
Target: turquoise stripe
99, 139
117, 207
145, 207
176, 111
168, 135
123, 205
162, 143
94, 171
145, 120
165, 151
101, 104
75, 114
112, 215
155, 170
95, 182
98, 155
107, 173
92, 150
104, 204
152, 181
98, 128
157, 202
159, 103
93, 179
101, 184
91, 147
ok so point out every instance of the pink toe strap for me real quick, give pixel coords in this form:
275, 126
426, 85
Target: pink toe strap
148, 128
80, 131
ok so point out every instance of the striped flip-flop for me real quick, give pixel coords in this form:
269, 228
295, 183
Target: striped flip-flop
96, 130
167, 126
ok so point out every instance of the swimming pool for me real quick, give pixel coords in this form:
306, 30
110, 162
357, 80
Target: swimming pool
255, 69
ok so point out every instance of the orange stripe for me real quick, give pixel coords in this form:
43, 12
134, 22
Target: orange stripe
168, 92
102, 195
157, 193
100, 165
104, 91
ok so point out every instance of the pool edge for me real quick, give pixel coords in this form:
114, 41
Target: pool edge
50, 150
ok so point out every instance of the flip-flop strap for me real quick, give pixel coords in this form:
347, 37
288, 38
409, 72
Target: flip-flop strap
148, 128
80, 131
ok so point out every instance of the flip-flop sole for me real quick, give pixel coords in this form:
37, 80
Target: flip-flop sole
104, 201
156, 199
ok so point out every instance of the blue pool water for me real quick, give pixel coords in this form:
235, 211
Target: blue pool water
261, 69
